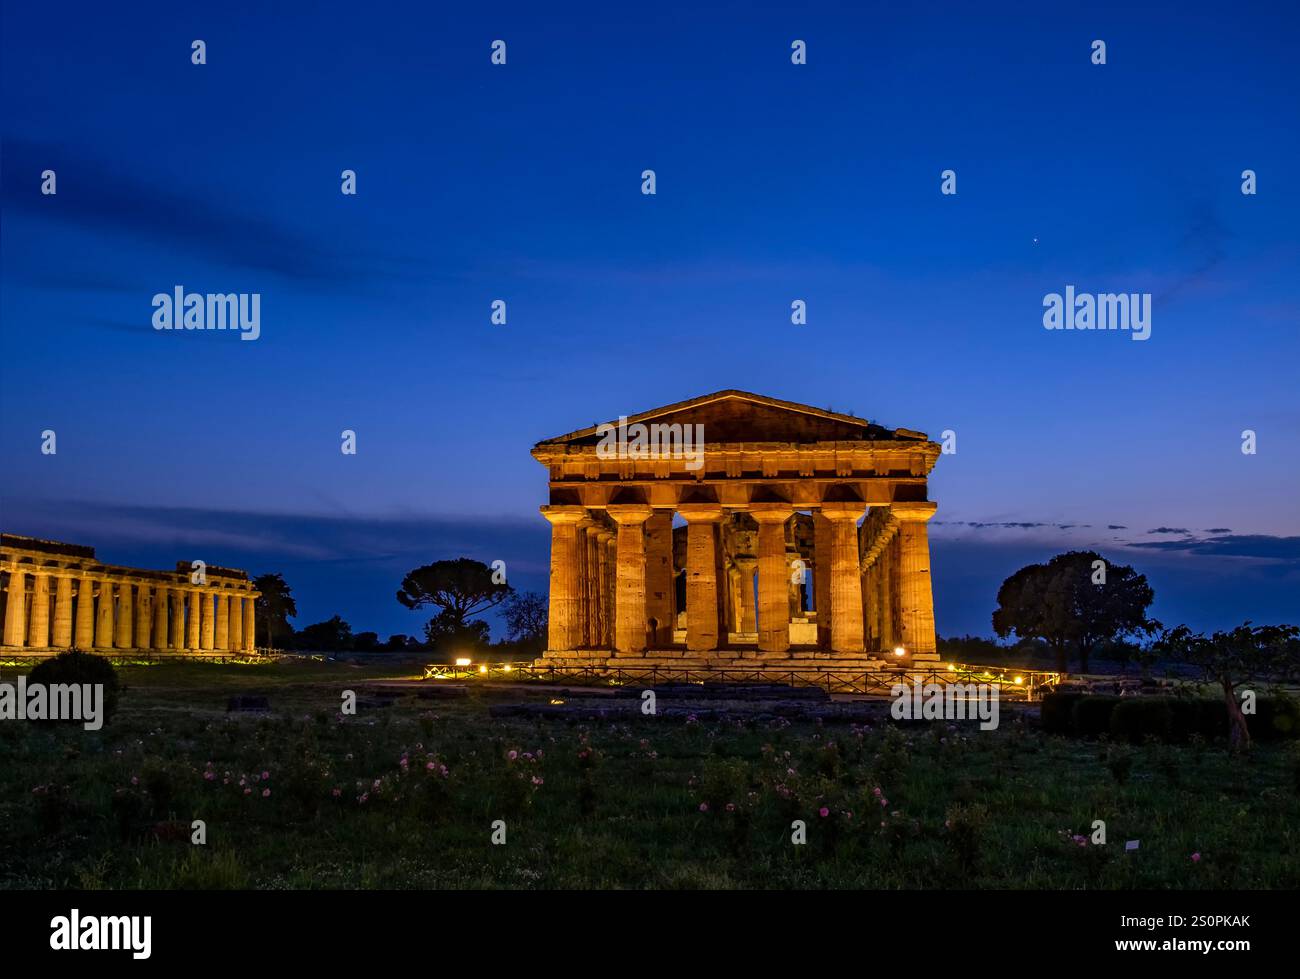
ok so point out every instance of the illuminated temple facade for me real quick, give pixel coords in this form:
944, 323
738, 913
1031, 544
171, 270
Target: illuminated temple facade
59, 596
787, 536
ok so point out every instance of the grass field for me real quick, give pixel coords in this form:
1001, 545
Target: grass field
405, 796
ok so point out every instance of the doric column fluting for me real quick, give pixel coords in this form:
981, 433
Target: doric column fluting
822, 577
250, 627
746, 565
85, 631
161, 611
207, 626
660, 604
38, 624
629, 576
845, 581
773, 593
221, 640
62, 612
176, 616
564, 629
915, 592
123, 616
16, 609
145, 598
702, 619
104, 612
236, 622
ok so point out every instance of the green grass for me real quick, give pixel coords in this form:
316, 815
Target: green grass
616, 817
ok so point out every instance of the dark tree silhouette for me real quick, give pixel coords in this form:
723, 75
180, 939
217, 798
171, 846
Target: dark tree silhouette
1070, 603
273, 608
1247, 654
332, 635
526, 615
461, 588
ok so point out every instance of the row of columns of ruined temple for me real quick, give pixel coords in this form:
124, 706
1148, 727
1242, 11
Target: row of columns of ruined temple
613, 588
66, 610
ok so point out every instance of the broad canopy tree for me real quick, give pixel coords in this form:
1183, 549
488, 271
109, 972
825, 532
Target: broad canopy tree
1244, 655
1076, 601
460, 589
273, 609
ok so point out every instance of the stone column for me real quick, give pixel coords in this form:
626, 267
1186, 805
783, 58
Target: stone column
161, 626
85, 637
194, 624
62, 612
237, 622
16, 609
104, 615
222, 639
122, 617
822, 578
745, 567
659, 597
869, 637
206, 625
915, 594
250, 629
606, 543
701, 574
145, 597
885, 589
629, 577
720, 576
845, 583
773, 594
564, 629
38, 619
176, 639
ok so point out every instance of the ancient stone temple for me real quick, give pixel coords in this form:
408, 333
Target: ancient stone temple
801, 538
58, 596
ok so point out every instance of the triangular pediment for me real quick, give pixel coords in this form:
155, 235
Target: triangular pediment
739, 416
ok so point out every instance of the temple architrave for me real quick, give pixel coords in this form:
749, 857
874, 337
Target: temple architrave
801, 539
58, 596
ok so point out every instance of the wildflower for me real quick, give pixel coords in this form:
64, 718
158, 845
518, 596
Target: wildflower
1196, 858
823, 812
135, 780
429, 766
704, 807
266, 793
248, 791
731, 807
512, 755
336, 793
266, 775
537, 780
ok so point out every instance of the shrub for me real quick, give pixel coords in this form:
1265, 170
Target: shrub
1092, 715
1119, 759
76, 667
1057, 716
1276, 719
1134, 719
966, 825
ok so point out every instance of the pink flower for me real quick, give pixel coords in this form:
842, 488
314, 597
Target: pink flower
266, 793
428, 766
266, 775
1196, 858
337, 792
248, 791
731, 807
823, 812
209, 776
135, 780
537, 780
704, 807
512, 755
876, 791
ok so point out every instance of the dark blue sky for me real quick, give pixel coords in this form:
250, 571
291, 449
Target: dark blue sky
775, 182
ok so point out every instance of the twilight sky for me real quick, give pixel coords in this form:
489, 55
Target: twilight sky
775, 182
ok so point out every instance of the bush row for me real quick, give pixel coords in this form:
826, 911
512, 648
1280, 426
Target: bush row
1171, 719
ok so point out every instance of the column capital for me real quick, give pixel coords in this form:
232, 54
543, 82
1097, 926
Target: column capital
771, 512
913, 512
700, 512
843, 511
629, 514
559, 515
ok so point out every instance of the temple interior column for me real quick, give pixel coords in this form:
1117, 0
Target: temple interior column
609, 540
745, 567
870, 640
207, 630
104, 615
236, 622
887, 637
659, 602
822, 577
564, 624
630, 605
701, 574
773, 593
194, 621
38, 619
62, 612
584, 581
85, 632
915, 593
845, 583
16, 609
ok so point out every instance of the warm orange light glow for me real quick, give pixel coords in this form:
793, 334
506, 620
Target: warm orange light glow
899, 650
462, 662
